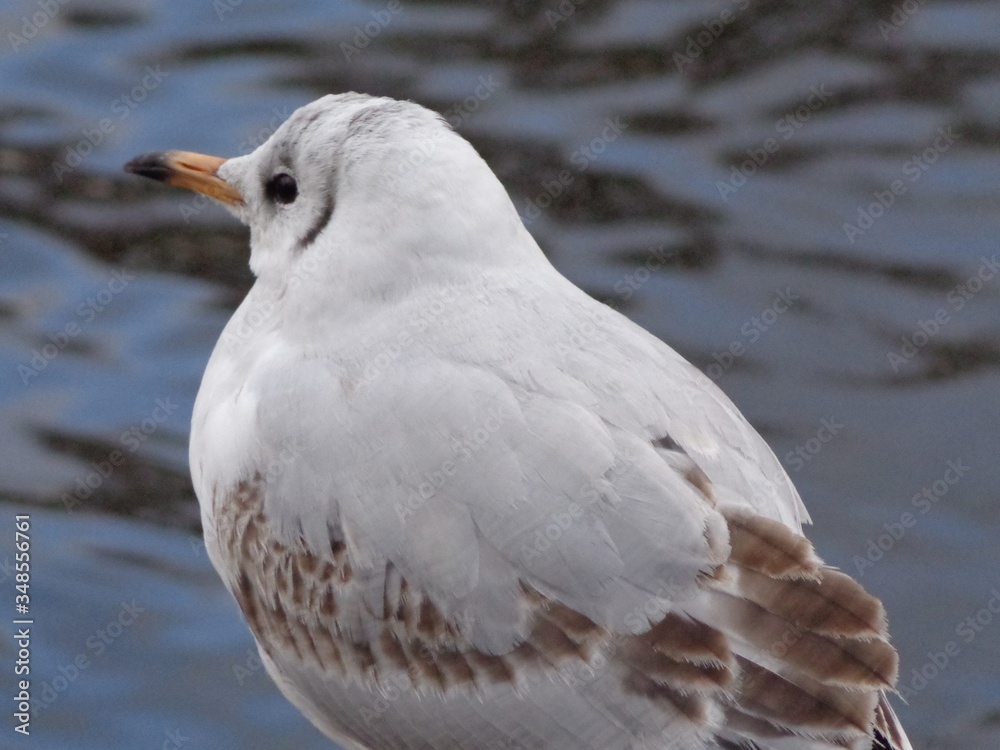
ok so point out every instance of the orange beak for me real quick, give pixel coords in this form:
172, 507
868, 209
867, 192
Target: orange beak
187, 170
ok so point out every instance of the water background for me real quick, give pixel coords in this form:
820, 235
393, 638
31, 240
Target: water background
788, 193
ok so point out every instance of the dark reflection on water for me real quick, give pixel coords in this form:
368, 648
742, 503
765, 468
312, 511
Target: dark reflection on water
688, 163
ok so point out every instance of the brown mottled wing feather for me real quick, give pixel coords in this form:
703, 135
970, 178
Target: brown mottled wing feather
777, 650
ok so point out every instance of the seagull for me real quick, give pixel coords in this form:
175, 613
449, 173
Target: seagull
463, 506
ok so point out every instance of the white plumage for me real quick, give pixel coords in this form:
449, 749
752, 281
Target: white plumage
463, 505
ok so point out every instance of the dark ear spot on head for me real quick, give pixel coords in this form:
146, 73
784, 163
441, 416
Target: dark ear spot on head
321, 221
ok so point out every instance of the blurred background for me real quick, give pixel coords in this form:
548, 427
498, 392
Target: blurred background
802, 198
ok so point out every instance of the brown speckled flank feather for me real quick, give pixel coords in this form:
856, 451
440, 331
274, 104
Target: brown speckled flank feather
790, 653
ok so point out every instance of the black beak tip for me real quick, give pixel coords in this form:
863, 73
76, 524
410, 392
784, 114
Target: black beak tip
152, 165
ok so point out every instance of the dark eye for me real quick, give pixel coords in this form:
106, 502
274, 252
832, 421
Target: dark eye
282, 188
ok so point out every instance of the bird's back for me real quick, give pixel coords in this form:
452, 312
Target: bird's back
500, 533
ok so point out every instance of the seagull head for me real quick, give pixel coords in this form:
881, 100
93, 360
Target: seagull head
367, 193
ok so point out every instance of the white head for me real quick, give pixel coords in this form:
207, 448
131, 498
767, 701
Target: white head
369, 194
